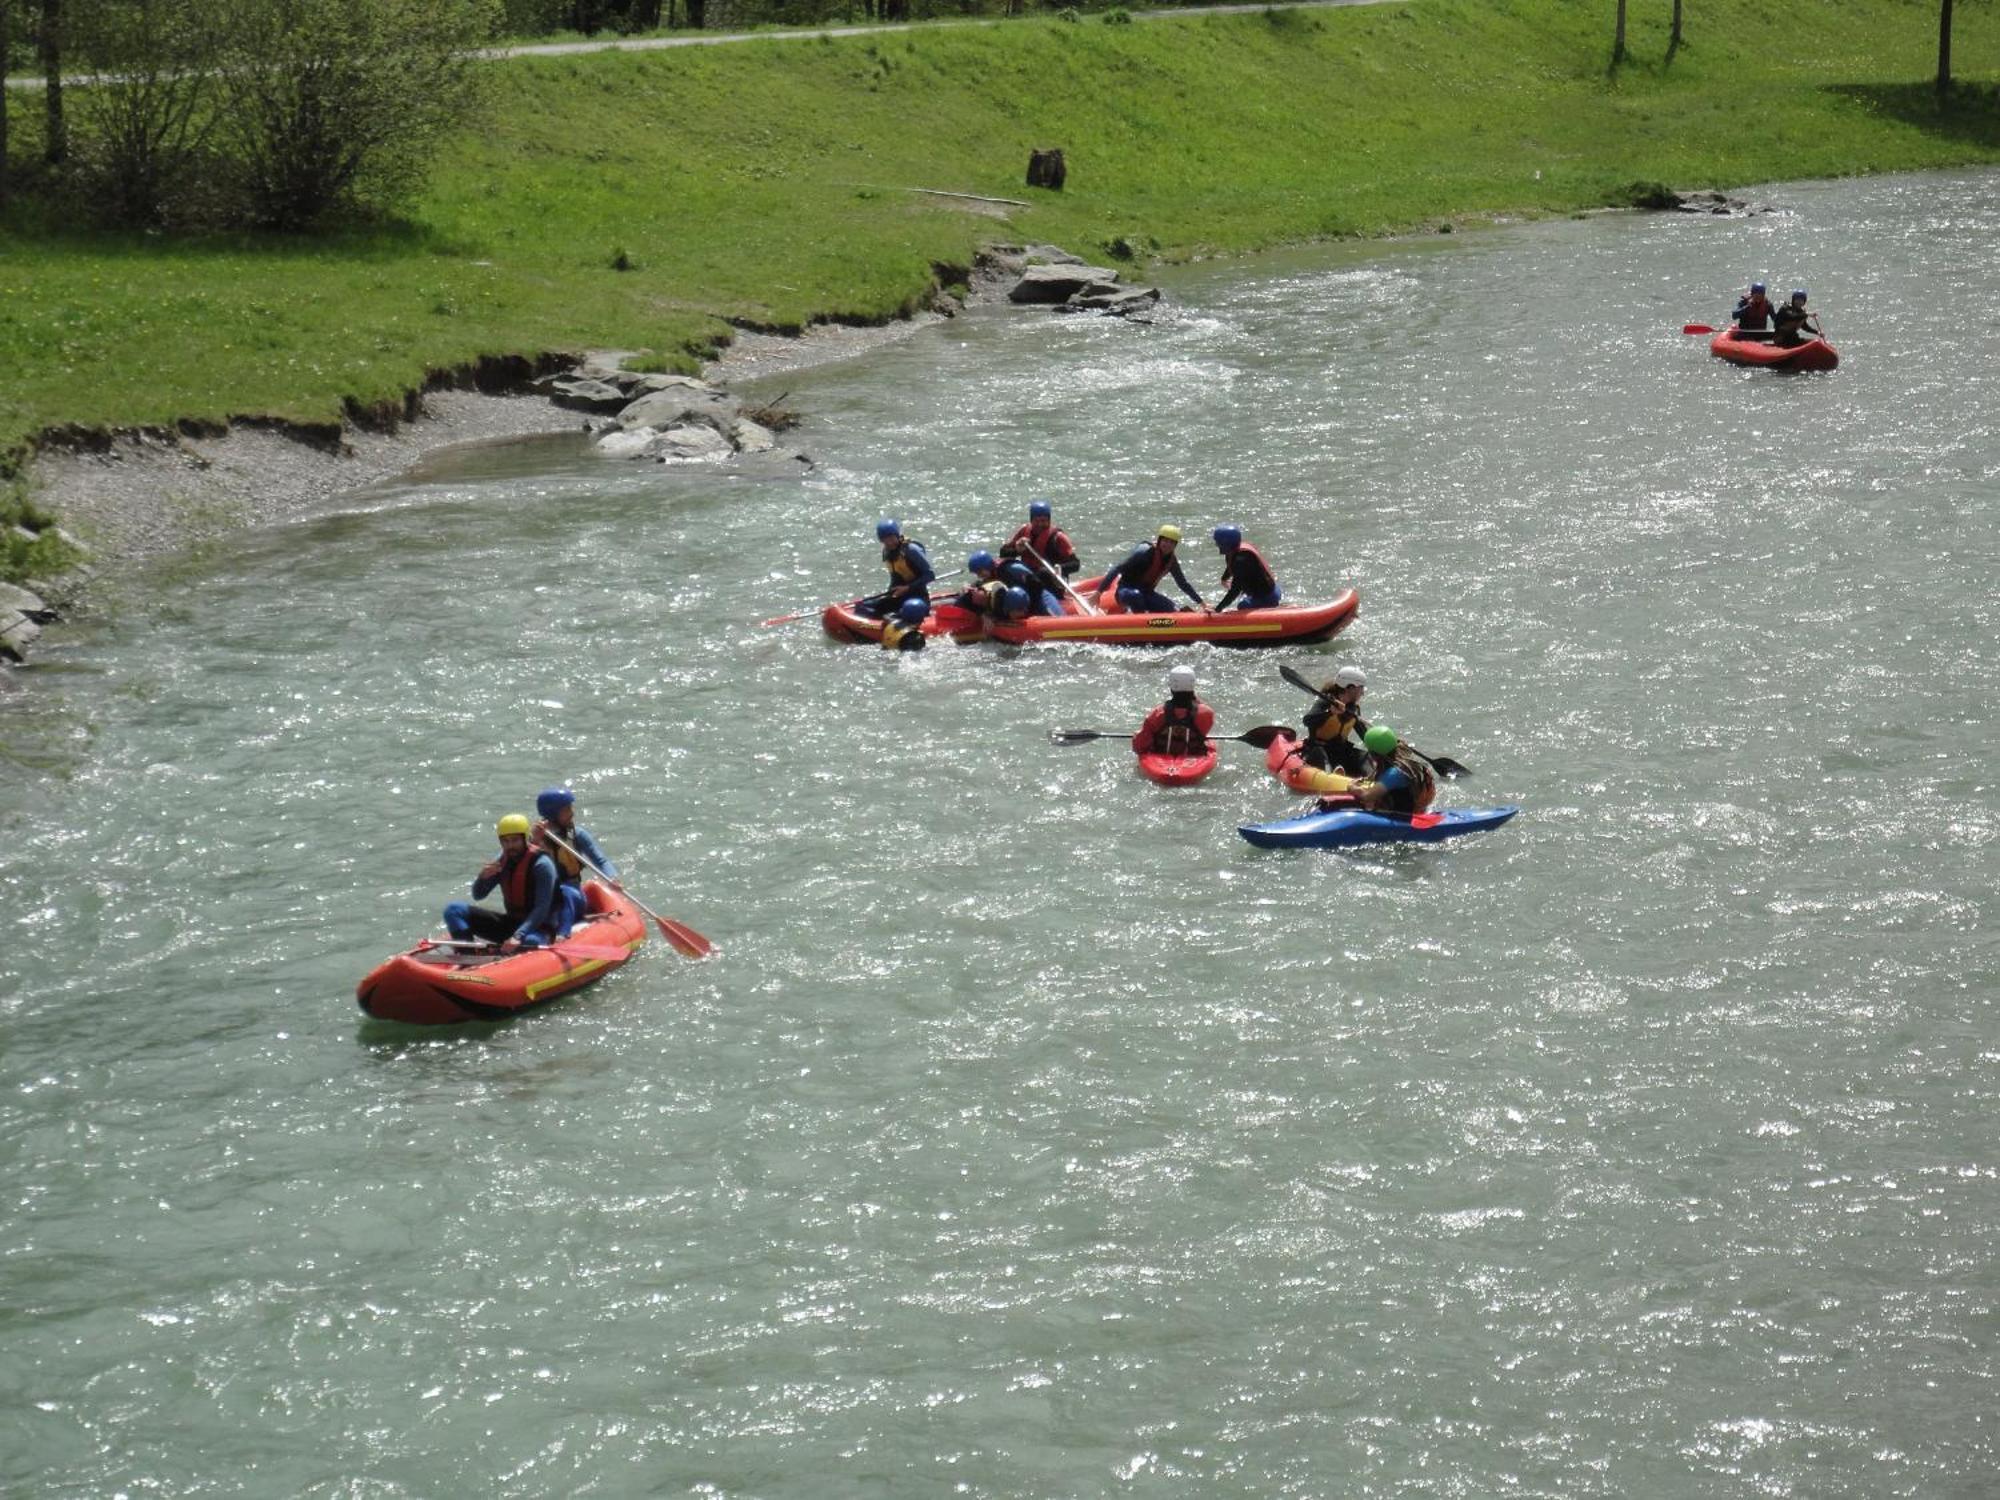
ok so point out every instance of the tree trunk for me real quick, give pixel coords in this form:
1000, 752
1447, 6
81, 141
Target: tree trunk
1944, 48
1618, 37
697, 14
1674, 37
6, 34
51, 48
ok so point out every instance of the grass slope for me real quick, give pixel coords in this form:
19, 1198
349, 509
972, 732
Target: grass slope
764, 181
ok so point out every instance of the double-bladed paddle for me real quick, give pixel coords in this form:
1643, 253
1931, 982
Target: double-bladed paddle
1444, 764
683, 937
1261, 736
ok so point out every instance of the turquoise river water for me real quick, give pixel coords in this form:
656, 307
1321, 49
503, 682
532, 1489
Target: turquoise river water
1030, 1134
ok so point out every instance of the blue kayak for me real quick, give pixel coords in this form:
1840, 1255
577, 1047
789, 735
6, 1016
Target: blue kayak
1345, 827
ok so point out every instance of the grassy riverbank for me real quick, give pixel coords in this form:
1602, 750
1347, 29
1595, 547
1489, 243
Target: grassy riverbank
767, 181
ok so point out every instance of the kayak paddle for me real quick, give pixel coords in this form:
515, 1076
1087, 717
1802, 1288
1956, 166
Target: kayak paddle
1261, 736
683, 937
1444, 764
1696, 328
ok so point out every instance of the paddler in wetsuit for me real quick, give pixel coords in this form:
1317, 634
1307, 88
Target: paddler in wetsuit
1245, 572
1753, 310
1041, 601
1049, 544
1139, 573
982, 595
556, 807
1791, 322
1398, 782
1334, 726
906, 631
910, 571
528, 883
1179, 726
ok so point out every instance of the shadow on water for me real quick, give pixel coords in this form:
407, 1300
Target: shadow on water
1970, 112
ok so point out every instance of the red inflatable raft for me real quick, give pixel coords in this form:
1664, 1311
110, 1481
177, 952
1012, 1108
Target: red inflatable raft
1286, 625
1176, 770
1741, 348
846, 623
432, 985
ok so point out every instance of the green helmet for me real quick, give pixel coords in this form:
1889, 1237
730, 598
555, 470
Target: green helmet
1380, 740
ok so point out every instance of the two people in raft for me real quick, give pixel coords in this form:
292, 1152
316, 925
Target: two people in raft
540, 882
1787, 323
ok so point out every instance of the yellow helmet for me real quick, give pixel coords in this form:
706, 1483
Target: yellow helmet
513, 823
1170, 533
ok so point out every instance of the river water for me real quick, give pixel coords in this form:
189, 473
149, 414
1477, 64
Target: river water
1030, 1134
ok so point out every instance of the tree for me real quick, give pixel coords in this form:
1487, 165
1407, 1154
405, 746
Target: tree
146, 118
1674, 36
49, 43
6, 40
322, 101
1944, 49
1618, 37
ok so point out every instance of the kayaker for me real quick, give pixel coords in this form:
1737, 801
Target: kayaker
1049, 544
1041, 601
982, 595
1333, 725
1179, 726
1791, 322
1753, 310
1398, 781
910, 571
556, 807
1244, 572
532, 911
906, 631
1143, 570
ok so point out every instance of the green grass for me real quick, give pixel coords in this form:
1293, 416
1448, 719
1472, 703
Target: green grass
762, 182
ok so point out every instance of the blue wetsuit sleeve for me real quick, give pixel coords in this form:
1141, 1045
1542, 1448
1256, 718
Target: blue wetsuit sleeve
481, 884
536, 928
587, 846
921, 561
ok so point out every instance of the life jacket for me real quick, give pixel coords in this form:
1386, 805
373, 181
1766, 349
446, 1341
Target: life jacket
900, 567
1423, 786
983, 598
1256, 579
1754, 313
569, 867
1051, 544
894, 632
1179, 730
1338, 724
1159, 562
517, 882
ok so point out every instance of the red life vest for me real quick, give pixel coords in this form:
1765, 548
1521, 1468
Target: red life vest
517, 883
1051, 544
1172, 729
1158, 562
1260, 576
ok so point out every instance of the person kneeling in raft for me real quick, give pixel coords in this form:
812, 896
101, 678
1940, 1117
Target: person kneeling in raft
1399, 783
1179, 726
906, 631
910, 570
1333, 725
1245, 572
982, 595
528, 882
556, 807
1139, 574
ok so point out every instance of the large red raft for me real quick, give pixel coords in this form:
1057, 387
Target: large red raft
1741, 348
438, 986
844, 622
1286, 625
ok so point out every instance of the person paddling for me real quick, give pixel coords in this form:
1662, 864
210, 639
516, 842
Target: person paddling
1049, 544
1141, 572
1753, 310
556, 807
1398, 781
910, 571
1792, 322
906, 631
1244, 572
526, 877
1180, 726
1333, 725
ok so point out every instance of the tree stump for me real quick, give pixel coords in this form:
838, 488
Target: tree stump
1046, 170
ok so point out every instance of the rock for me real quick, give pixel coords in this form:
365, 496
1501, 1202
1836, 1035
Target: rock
1120, 302
1046, 169
750, 437
22, 602
694, 441
677, 407
1050, 255
17, 634
1048, 284
581, 393
70, 542
618, 443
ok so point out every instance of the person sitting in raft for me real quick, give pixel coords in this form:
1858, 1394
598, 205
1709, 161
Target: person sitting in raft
1398, 781
532, 915
1179, 726
1049, 544
982, 595
1015, 604
1143, 570
556, 807
1792, 322
1244, 572
1041, 601
906, 631
1333, 725
910, 571
1753, 310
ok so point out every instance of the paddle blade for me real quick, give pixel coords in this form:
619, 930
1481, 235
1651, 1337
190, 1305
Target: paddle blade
1266, 735
684, 938
1696, 328
1448, 768
1298, 681
1426, 820
590, 950
1079, 736
781, 620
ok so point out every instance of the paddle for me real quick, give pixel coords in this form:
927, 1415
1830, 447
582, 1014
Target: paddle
683, 937
814, 614
1443, 764
1696, 328
1083, 606
561, 949
1261, 736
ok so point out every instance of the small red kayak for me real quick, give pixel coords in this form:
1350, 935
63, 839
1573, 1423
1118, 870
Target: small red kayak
1176, 770
846, 623
436, 985
1741, 348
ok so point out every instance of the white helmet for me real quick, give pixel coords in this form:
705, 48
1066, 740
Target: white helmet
1349, 676
1180, 680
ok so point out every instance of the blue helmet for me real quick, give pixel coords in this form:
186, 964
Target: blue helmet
912, 611
887, 527
1131, 598
981, 561
1798, 294
1015, 601
1757, 288
1228, 538
1017, 573
1040, 510
554, 800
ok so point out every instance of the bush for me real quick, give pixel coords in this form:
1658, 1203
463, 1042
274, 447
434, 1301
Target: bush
1118, 17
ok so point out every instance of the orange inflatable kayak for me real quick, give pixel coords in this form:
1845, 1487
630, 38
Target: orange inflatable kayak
1285, 761
437, 985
